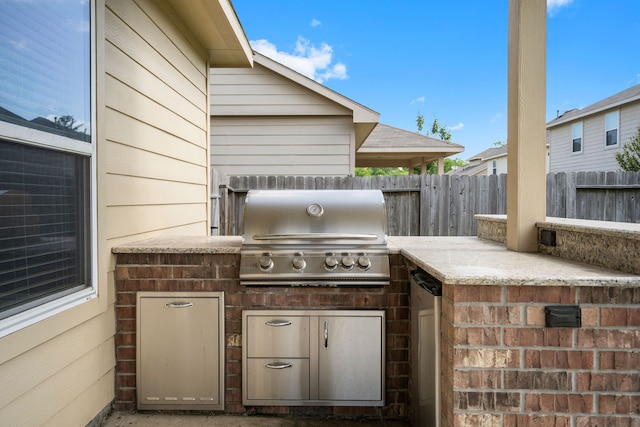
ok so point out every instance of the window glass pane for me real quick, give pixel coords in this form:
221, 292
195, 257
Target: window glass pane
611, 128
576, 137
577, 145
43, 226
45, 66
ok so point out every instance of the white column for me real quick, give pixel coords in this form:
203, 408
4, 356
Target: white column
526, 184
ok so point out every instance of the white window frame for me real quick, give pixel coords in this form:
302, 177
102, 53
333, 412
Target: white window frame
607, 129
27, 136
574, 137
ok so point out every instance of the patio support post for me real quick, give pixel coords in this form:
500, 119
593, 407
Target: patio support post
526, 167
440, 165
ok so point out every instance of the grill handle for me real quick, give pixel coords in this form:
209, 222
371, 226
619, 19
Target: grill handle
315, 236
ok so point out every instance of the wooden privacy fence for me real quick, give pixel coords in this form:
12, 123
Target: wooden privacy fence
445, 205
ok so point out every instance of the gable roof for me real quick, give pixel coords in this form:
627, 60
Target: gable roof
626, 96
388, 146
364, 119
478, 163
489, 153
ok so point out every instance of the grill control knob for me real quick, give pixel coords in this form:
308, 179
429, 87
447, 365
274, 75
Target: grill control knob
299, 263
266, 263
348, 262
331, 263
364, 262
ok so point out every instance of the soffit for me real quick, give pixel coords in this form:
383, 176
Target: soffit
216, 25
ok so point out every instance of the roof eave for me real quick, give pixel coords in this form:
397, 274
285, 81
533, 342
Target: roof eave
216, 26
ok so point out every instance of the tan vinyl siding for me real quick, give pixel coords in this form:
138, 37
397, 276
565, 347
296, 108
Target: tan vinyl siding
310, 146
158, 145
595, 155
259, 92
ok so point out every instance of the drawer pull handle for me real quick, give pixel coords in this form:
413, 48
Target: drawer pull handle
277, 365
277, 322
179, 304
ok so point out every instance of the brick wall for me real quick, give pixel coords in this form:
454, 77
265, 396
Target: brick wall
219, 272
503, 367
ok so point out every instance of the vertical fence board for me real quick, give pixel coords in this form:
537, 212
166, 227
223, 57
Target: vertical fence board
443, 205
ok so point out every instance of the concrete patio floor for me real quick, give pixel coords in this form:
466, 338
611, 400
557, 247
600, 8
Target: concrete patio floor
121, 419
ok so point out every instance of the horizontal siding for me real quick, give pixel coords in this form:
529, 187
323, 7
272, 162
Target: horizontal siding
130, 132
146, 191
56, 373
133, 163
148, 112
261, 92
281, 146
157, 164
595, 155
137, 219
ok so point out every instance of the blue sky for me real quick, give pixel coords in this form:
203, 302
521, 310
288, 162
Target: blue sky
446, 58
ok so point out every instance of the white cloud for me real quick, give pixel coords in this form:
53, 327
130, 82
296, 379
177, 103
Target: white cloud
457, 127
554, 5
307, 59
418, 100
315, 23
496, 117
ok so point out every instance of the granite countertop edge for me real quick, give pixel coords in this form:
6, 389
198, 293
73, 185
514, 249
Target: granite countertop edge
452, 260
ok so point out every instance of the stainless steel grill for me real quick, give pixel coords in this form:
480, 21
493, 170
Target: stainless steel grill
314, 238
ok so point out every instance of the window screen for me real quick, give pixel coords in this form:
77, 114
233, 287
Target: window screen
43, 226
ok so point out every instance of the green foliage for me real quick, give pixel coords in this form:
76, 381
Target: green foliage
449, 164
380, 171
420, 121
499, 144
629, 157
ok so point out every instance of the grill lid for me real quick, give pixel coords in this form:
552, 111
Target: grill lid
315, 217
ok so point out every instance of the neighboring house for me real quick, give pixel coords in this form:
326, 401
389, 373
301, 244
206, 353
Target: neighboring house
271, 120
492, 161
588, 139
136, 78
388, 146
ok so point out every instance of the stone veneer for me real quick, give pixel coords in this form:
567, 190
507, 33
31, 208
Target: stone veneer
219, 272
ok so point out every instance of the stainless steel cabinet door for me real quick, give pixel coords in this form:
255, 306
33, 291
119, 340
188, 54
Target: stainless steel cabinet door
179, 355
350, 358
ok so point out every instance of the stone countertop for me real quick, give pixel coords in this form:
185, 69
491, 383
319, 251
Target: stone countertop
474, 261
183, 245
453, 260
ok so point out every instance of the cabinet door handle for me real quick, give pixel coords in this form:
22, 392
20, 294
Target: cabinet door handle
179, 304
277, 365
326, 333
277, 322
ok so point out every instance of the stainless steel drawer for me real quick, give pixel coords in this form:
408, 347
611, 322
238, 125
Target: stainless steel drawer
277, 379
278, 336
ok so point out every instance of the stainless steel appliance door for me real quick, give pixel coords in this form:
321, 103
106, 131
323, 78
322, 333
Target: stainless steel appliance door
345, 374
425, 350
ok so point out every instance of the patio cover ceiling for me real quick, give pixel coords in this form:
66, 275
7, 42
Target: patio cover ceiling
388, 146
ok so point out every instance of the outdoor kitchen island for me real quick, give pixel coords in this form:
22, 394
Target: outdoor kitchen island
501, 364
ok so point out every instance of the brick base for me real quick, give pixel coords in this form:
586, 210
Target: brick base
219, 272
